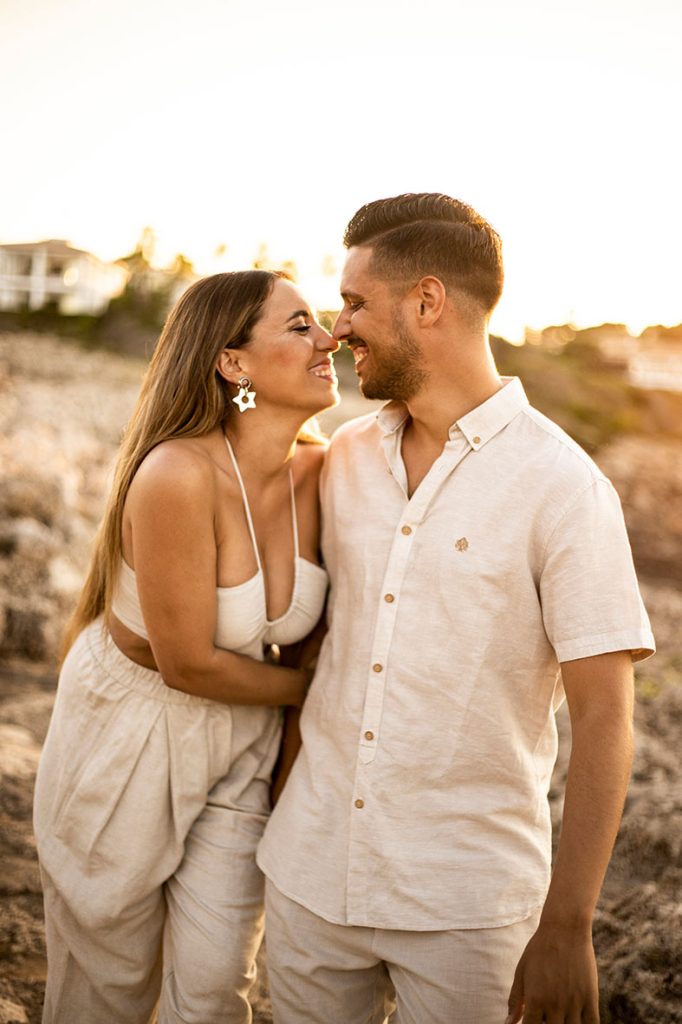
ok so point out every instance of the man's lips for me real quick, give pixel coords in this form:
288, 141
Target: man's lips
360, 352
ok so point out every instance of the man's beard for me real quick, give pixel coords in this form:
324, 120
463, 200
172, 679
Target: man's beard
398, 372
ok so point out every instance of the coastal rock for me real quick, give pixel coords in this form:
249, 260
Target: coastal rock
61, 415
28, 494
647, 473
11, 1012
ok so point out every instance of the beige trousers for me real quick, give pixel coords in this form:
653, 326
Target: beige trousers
322, 973
148, 809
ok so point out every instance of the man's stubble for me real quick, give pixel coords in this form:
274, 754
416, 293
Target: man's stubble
398, 373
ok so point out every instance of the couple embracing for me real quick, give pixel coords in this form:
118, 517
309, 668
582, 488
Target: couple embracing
475, 569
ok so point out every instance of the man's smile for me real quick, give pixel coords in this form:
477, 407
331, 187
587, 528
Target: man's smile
360, 351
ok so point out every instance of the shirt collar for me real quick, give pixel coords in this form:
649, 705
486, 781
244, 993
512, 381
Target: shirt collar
493, 415
479, 425
392, 416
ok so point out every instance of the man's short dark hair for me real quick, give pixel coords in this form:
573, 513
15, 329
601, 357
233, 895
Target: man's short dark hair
428, 234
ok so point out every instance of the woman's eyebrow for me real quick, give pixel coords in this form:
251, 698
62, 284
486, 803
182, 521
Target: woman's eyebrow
299, 312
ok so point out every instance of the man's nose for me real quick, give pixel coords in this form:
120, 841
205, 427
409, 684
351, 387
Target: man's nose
341, 329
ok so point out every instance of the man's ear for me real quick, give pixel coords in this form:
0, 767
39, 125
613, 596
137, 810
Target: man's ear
430, 299
229, 365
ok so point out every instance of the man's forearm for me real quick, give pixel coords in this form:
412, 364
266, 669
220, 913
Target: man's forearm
599, 769
556, 977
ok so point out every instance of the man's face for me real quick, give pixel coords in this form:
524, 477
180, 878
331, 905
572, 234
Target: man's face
388, 359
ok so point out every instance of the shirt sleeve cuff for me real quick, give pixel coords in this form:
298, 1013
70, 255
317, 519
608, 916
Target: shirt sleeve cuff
641, 645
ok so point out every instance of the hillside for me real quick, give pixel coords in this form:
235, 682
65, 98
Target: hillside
61, 413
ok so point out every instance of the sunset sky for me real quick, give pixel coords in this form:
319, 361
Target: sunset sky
237, 123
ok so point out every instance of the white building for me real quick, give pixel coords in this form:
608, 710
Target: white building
34, 274
658, 367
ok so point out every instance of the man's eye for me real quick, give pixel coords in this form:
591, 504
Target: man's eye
355, 305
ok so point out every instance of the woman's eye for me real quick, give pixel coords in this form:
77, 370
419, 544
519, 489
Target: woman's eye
302, 329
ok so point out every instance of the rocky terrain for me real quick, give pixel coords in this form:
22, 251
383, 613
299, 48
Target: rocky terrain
61, 413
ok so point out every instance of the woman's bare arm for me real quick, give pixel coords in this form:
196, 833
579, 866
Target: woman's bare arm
171, 507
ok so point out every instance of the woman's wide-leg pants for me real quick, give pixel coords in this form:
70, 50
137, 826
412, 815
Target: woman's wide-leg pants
148, 809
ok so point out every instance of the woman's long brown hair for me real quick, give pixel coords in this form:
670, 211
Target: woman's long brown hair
182, 395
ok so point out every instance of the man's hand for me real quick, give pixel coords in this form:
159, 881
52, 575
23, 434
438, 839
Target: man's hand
556, 979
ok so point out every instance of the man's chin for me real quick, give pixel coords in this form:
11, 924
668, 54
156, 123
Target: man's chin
370, 390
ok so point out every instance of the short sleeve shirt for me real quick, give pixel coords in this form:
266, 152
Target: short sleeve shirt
419, 797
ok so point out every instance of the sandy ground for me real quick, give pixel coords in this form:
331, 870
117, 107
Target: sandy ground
61, 412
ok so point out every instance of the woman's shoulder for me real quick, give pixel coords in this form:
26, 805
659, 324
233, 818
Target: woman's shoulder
178, 470
309, 460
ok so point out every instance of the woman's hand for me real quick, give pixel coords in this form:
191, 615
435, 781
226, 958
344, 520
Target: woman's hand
305, 653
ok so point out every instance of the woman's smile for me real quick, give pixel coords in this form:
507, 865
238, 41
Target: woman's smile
324, 370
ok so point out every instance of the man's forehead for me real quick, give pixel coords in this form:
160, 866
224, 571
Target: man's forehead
356, 276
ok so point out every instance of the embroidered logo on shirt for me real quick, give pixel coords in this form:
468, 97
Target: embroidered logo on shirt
462, 544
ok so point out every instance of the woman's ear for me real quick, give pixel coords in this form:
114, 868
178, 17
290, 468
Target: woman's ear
229, 365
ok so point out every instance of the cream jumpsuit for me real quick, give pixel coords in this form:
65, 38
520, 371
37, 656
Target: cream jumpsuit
149, 806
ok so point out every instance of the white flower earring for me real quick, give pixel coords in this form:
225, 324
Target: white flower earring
246, 398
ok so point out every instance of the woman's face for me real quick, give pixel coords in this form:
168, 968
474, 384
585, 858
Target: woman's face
289, 355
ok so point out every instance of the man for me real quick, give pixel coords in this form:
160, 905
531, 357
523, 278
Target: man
479, 570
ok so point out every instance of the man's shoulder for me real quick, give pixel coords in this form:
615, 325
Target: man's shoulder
355, 431
549, 444
354, 451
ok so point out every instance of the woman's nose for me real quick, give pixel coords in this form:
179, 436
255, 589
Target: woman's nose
328, 343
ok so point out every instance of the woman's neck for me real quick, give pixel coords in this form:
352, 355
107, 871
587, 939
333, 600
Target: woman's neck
263, 445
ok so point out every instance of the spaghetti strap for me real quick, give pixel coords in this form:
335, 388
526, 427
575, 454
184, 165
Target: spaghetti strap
294, 519
247, 507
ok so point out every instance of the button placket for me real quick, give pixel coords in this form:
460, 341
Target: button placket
398, 560
385, 625
358, 892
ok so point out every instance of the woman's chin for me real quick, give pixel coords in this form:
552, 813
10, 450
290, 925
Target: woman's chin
332, 400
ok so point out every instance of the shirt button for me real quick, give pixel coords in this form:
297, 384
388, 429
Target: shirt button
476, 439
369, 735
406, 530
389, 598
377, 667
359, 803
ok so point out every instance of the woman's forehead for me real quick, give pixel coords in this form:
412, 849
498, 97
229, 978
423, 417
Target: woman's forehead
285, 300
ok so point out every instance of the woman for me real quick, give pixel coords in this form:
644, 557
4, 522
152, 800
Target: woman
152, 790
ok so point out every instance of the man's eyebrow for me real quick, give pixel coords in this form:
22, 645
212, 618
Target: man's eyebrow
350, 295
299, 312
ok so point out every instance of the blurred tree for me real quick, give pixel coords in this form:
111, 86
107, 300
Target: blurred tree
658, 332
329, 266
134, 319
181, 268
263, 261
289, 267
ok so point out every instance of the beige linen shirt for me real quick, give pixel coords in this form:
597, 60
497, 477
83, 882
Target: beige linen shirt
419, 798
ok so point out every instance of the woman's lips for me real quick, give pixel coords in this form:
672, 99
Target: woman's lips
325, 371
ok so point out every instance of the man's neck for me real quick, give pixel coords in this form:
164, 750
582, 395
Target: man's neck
446, 399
